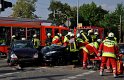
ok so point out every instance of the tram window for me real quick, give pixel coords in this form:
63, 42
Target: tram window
64, 32
48, 30
31, 32
56, 31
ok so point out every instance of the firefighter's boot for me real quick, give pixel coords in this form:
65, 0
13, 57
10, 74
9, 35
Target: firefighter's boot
101, 71
84, 65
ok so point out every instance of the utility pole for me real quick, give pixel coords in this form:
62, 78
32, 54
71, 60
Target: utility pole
120, 33
77, 11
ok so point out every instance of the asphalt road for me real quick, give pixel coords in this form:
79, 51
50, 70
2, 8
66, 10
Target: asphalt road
51, 73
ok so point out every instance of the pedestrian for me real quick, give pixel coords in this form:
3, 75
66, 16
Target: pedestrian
109, 50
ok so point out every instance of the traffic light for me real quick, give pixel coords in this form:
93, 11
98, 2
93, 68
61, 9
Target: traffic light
4, 5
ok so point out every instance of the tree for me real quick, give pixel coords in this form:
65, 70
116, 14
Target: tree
24, 9
119, 11
59, 12
91, 14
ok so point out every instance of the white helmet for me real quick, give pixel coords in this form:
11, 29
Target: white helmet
34, 35
90, 31
99, 40
13, 36
111, 34
23, 38
59, 34
48, 34
69, 33
78, 35
81, 31
96, 33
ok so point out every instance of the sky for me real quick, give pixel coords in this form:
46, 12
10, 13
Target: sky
42, 6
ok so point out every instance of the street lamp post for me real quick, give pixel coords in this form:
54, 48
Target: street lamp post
77, 11
120, 30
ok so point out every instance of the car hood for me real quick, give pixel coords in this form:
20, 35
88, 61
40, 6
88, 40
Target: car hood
25, 52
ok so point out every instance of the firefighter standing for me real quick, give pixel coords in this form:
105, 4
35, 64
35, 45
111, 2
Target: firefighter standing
57, 39
81, 44
36, 41
13, 38
49, 39
91, 36
66, 39
109, 50
74, 52
84, 37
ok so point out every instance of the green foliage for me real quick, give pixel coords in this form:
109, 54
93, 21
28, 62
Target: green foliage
91, 14
24, 9
60, 12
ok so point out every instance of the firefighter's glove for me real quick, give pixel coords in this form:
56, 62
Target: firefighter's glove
98, 54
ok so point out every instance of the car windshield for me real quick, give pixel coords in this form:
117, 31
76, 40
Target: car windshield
22, 45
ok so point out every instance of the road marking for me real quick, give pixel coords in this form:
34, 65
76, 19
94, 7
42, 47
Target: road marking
8, 74
79, 75
65, 79
73, 77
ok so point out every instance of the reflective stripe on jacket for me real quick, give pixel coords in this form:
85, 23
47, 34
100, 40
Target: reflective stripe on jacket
91, 48
73, 47
109, 48
36, 42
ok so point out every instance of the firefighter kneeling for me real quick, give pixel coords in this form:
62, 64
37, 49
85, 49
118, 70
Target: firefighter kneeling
109, 50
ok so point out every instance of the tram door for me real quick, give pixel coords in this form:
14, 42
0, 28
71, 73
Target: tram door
5, 37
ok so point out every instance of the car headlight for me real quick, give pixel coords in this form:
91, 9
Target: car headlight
13, 56
51, 52
35, 55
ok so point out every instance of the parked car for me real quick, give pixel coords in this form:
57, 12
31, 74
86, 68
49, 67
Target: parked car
22, 51
121, 51
121, 48
54, 55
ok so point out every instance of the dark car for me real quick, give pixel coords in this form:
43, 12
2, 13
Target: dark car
22, 51
54, 54
121, 48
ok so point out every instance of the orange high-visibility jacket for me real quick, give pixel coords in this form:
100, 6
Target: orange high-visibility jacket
108, 48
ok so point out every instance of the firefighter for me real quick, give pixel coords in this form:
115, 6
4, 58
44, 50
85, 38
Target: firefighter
109, 50
13, 38
66, 39
96, 35
84, 37
36, 41
57, 39
81, 44
90, 50
74, 52
91, 36
49, 39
